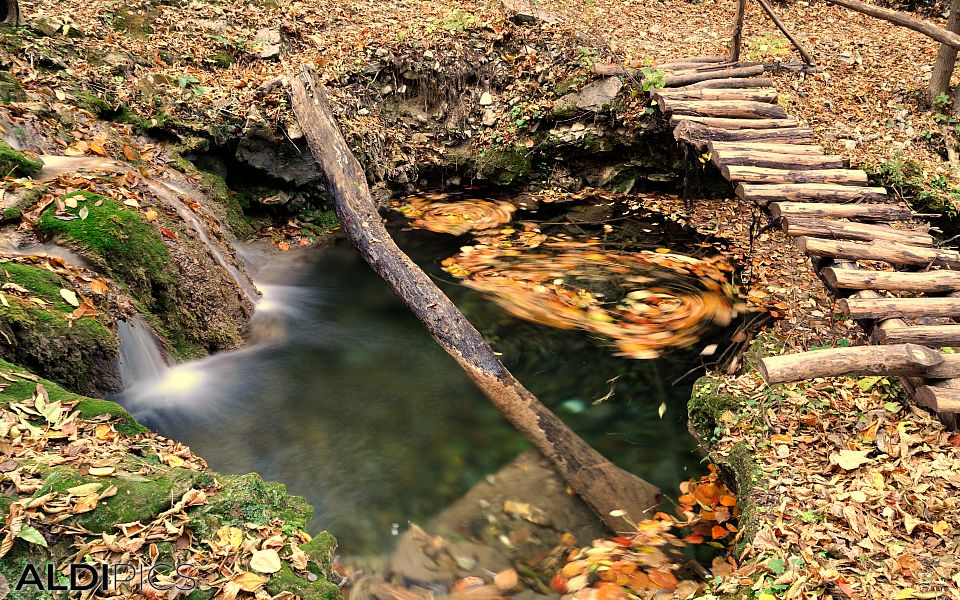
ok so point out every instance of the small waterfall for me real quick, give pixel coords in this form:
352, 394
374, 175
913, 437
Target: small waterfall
141, 359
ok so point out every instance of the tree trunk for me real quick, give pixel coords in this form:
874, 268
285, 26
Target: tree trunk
776, 160
899, 308
734, 124
10, 12
897, 281
693, 132
764, 193
768, 95
890, 252
749, 174
811, 149
935, 336
845, 230
946, 58
726, 109
939, 399
905, 359
903, 20
729, 83
865, 212
595, 479
736, 38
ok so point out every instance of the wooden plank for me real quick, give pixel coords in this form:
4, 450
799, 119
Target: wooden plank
810, 149
730, 83
774, 160
763, 194
939, 399
901, 281
902, 359
865, 212
725, 123
693, 132
696, 59
890, 252
899, 308
933, 336
846, 230
750, 174
752, 95
731, 109
688, 77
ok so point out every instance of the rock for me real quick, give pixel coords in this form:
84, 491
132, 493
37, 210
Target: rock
489, 117
486, 99
118, 62
524, 11
262, 149
44, 26
599, 94
268, 40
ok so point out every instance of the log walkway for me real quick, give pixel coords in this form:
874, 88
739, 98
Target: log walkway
872, 254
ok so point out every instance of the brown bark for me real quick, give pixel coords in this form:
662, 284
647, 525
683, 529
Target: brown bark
692, 132
935, 336
939, 399
699, 60
736, 37
903, 20
734, 124
905, 359
768, 95
845, 230
924, 281
899, 308
717, 147
809, 192
946, 58
729, 83
804, 53
865, 212
775, 160
890, 252
725, 109
688, 77
599, 482
749, 174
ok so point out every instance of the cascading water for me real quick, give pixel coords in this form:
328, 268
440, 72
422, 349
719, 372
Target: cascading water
141, 360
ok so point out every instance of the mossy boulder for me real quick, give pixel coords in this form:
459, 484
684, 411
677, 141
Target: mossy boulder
249, 499
505, 167
14, 162
79, 354
10, 89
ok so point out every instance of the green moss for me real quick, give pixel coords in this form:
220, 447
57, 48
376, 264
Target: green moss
93, 104
706, 405
10, 90
249, 499
223, 59
15, 213
505, 167
128, 247
740, 466
215, 187
137, 22
14, 162
286, 580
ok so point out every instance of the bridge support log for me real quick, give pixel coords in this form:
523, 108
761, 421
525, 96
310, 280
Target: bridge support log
902, 359
889, 252
763, 194
866, 212
846, 230
899, 281
899, 308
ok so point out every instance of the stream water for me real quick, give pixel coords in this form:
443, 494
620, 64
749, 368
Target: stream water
343, 396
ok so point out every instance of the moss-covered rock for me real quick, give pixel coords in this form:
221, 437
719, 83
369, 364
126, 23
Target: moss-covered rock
249, 499
10, 90
80, 354
504, 167
226, 202
14, 162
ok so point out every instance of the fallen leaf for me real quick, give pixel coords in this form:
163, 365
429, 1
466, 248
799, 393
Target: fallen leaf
249, 582
265, 561
850, 459
101, 471
70, 296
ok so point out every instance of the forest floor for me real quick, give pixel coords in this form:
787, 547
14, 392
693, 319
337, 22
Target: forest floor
851, 491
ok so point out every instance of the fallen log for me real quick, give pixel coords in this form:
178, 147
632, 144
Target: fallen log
775, 160
767, 95
726, 109
729, 83
847, 230
903, 20
865, 212
693, 132
689, 77
948, 369
899, 308
934, 336
939, 399
763, 194
750, 174
882, 250
729, 123
904, 359
713, 58
898, 281
808, 149
602, 485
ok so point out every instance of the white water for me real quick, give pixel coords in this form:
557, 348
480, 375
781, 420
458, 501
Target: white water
140, 356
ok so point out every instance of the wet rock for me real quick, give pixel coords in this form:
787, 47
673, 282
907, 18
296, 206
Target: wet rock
599, 95
262, 149
524, 11
268, 42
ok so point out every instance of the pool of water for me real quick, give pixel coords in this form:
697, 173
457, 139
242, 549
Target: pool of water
346, 399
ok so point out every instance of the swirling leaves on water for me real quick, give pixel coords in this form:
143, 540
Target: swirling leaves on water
457, 217
645, 302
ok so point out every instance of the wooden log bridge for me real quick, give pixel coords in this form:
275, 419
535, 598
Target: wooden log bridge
882, 264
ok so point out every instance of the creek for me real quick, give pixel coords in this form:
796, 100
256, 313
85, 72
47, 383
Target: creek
343, 396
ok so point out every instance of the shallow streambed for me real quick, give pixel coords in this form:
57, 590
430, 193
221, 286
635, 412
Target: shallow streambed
344, 397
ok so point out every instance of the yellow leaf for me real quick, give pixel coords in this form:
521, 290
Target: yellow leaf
151, 215
249, 582
70, 296
87, 503
97, 149
765, 596
662, 250
904, 593
85, 489
230, 536
70, 202
3, 300
101, 471
850, 459
265, 561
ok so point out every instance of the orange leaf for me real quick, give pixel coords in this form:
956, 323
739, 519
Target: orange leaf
610, 591
687, 499
694, 538
167, 233
98, 286
728, 500
129, 152
664, 580
718, 532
